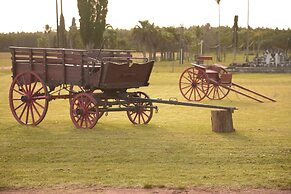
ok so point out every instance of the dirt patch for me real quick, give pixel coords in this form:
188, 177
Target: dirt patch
88, 190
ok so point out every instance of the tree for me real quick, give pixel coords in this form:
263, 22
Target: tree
62, 32
147, 35
235, 36
92, 21
74, 36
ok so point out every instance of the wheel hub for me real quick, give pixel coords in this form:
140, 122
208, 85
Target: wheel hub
80, 111
194, 84
26, 99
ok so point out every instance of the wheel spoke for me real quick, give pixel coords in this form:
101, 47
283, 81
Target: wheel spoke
23, 111
19, 106
24, 82
222, 91
82, 120
37, 91
16, 99
186, 87
135, 116
187, 78
35, 109
86, 121
32, 114
199, 94
188, 91
213, 94
138, 118
198, 88
33, 88
39, 105
191, 93
186, 83
21, 86
19, 92
27, 115
217, 93
211, 90
79, 117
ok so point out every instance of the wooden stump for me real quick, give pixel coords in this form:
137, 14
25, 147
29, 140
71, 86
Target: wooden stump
222, 121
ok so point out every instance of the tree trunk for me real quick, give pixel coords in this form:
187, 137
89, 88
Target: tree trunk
222, 121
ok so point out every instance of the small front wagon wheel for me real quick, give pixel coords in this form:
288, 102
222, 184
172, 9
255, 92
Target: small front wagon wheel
141, 112
75, 89
84, 111
28, 98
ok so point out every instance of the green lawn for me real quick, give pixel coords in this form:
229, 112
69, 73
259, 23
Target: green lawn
5, 60
176, 149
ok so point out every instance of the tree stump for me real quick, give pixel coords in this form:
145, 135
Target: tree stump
222, 121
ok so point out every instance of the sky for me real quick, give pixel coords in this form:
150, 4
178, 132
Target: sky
33, 15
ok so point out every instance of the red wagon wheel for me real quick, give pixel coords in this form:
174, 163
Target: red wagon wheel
78, 89
218, 90
84, 111
143, 112
193, 84
28, 98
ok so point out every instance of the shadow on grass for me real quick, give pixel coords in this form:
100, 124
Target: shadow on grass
235, 136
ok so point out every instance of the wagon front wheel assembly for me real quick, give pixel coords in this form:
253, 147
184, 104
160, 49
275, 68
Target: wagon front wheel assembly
75, 89
28, 98
84, 111
141, 112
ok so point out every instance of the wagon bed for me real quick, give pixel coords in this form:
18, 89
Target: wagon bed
106, 69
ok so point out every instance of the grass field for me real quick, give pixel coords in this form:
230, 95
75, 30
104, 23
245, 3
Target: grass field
176, 149
5, 60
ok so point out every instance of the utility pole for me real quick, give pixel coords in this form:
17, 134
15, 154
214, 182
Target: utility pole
219, 46
57, 16
248, 34
219, 41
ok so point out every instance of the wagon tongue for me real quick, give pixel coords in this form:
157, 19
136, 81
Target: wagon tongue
173, 101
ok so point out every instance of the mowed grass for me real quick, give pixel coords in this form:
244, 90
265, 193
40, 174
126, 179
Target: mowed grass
176, 149
5, 60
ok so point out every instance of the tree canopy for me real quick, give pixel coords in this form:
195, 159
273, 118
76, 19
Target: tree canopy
92, 21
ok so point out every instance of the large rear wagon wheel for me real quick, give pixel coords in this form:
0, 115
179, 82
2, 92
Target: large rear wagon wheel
84, 111
193, 84
142, 112
28, 98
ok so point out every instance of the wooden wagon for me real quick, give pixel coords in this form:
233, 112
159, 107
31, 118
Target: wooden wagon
39, 75
94, 81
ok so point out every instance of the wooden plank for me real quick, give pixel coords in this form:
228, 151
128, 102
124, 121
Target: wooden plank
21, 57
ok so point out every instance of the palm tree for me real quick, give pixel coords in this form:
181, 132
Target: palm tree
146, 35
